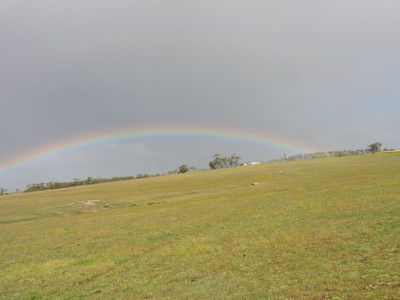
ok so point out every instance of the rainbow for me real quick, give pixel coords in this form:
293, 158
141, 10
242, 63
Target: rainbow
136, 133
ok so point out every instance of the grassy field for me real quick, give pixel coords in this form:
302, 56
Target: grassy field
328, 230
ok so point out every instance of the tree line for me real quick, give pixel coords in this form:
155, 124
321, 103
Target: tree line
218, 161
53, 185
372, 148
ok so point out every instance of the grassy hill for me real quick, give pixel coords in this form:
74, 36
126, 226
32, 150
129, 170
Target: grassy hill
329, 229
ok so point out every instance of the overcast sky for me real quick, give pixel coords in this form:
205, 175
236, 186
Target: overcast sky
326, 73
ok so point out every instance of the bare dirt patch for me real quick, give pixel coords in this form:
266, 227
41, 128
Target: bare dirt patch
91, 202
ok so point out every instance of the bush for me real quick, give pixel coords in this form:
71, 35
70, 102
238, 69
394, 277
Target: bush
183, 169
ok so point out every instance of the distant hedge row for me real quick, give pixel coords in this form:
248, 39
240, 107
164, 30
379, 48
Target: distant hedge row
77, 182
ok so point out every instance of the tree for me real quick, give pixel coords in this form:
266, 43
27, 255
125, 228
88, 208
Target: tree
2, 191
220, 161
215, 162
183, 169
375, 147
340, 153
234, 160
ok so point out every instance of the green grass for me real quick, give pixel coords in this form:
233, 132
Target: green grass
328, 230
